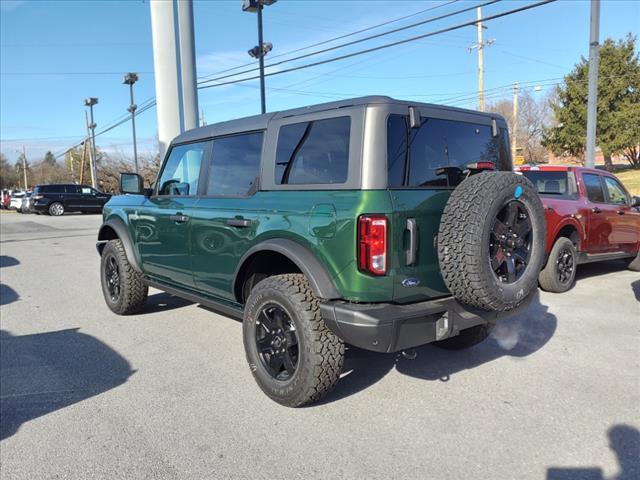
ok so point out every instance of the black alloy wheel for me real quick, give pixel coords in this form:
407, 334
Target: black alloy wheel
276, 342
565, 264
510, 242
112, 277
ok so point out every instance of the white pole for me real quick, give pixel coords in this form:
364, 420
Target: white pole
174, 68
592, 101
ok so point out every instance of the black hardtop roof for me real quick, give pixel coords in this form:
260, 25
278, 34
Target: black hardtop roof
260, 122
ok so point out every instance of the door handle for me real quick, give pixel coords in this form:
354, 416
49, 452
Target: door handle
620, 212
596, 210
179, 218
411, 252
239, 222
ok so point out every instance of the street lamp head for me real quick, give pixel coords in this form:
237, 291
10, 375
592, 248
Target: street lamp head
255, 51
90, 102
252, 5
130, 78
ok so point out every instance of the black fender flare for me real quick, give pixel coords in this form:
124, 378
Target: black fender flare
122, 232
320, 281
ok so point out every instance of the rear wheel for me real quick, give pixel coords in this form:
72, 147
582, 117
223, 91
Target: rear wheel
56, 209
560, 272
294, 357
466, 338
491, 241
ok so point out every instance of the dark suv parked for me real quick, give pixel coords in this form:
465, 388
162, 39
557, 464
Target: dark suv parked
58, 199
372, 222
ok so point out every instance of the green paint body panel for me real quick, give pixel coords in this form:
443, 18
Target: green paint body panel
203, 254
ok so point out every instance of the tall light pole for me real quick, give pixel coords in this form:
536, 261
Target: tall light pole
480, 46
263, 48
514, 128
129, 79
592, 99
90, 102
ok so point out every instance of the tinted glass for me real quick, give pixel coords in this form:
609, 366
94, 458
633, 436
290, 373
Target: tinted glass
313, 152
593, 187
53, 189
440, 150
72, 188
235, 164
549, 183
182, 170
615, 192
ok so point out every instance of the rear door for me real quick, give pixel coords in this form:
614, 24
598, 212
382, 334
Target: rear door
599, 215
625, 221
225, 219
162, 224
424, 165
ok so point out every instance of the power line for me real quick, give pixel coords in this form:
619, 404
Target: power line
359, 40
64, 73
324, 42
387, 45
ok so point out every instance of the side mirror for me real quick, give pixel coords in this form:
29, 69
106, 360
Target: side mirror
131, 183
635, 201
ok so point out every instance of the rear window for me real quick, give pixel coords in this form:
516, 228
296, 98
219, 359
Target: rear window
314, 152
437, 153
557, 184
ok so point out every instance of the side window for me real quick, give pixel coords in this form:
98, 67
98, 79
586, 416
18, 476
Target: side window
397, 132
72, 188
314, 152
593, 186
615, 192
87, 190
235, 164
182, 170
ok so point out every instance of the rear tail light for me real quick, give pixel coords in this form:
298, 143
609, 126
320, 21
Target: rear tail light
372, 244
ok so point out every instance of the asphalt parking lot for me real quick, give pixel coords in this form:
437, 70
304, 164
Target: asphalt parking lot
554, 394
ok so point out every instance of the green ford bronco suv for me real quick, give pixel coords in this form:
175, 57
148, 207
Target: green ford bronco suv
371, 222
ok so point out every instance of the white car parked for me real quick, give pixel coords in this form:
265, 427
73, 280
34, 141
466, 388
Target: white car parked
16, 200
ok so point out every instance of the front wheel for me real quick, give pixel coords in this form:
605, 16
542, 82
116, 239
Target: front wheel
294, 357
559, 273
124, 291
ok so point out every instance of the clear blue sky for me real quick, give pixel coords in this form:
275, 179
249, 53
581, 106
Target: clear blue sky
54, 54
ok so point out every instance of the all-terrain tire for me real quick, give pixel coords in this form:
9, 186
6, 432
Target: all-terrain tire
132, 290
549, 276
464, 240
320, 351
466, 338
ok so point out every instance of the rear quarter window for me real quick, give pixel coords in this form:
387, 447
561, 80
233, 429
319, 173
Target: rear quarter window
552, 184
312, 153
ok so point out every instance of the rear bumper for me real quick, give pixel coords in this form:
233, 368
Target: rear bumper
386, 327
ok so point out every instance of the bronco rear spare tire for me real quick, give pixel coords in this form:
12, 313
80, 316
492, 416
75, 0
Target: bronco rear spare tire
491, 241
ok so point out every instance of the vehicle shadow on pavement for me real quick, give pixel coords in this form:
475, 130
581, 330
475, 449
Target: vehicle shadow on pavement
518, 336
162, 302
635, 286
624, 440
7, 294
45, 372
600, 268
7, 261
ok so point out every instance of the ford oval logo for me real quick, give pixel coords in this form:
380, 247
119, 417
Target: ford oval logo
410, 282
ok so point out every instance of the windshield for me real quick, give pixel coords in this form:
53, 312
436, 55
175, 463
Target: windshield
555, 184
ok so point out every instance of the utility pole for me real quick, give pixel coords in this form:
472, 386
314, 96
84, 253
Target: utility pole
480, 47
84, 154
203, 122
514, 128
130, 79
90, 102
592, 101
24, 167
91, 158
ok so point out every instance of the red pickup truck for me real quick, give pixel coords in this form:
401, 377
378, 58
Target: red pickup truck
590, 217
